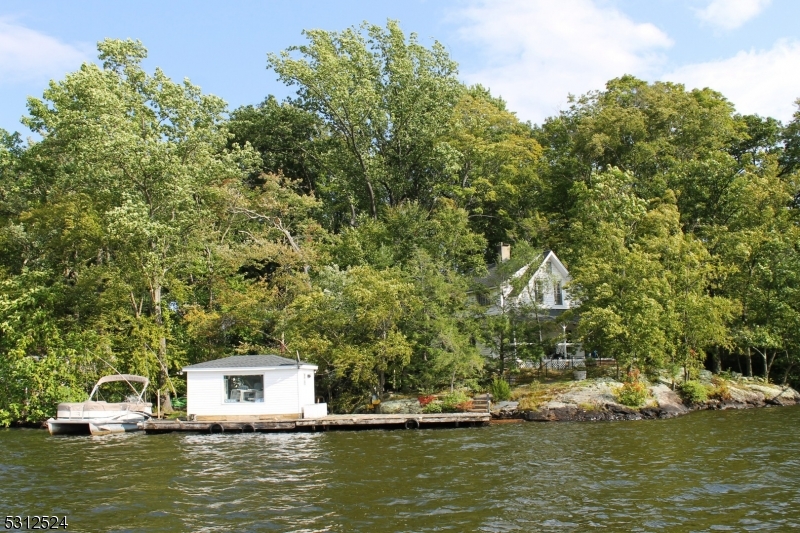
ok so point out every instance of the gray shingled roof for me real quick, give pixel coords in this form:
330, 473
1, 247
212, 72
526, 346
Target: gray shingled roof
247, 361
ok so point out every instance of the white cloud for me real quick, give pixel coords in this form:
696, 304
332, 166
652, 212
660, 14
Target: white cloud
764, 82
730, 14
27, 55
541, 51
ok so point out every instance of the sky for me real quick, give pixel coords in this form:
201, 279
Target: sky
533, 53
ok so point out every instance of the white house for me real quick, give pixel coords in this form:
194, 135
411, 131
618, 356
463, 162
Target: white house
251, 386
546, 288
539, 289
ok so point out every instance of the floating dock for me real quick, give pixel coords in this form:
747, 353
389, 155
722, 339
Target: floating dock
327, 423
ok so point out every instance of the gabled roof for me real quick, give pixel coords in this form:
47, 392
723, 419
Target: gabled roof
554, 260
248, 361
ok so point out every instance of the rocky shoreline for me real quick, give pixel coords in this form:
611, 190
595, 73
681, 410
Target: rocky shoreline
593, 400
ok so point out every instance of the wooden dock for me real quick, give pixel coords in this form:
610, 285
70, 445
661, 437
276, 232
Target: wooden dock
328, 423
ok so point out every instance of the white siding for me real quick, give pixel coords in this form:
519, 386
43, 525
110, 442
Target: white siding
285, 392
305, 381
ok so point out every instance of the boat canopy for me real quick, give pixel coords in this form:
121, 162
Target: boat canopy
127, 378
124, 377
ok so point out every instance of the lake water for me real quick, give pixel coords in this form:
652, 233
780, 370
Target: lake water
708, 471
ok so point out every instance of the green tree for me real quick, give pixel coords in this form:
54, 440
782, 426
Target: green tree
351, 326
291, 141
438, 253
385, 99
619, 282
790, 158
660, 134
495, 169
150, 156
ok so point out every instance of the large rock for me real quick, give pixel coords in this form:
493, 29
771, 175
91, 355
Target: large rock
668, 401
744, 397
596, 401
399, 406
590, 396
775, 394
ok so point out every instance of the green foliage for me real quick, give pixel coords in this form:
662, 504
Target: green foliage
694, 392
146, 230
632, 393
386, 100
433, 407
351, 325
719, 390
500, 389
454, 402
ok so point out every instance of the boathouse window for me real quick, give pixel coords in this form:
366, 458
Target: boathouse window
244, 389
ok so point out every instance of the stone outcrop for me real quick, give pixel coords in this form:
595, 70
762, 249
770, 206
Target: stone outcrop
594, 400
399, 406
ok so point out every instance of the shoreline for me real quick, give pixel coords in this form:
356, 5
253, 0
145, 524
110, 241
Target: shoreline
593, 401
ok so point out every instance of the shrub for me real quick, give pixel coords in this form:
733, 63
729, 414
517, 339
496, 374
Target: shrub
451, 402
720, 390
464, 406
500, 389
425, 400
632, 393
432, 407
694, 392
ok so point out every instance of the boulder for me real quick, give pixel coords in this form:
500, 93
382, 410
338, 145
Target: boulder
399, 406
746, 397
668, 401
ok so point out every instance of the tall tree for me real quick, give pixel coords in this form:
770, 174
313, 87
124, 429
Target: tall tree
148, 155
386, 99
495, 163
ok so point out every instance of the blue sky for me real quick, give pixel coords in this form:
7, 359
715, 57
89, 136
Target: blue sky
532, 52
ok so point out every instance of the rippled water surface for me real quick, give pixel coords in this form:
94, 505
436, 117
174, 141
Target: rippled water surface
709, 471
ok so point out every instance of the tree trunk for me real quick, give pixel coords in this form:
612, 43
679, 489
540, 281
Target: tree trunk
502, 355
163, 377
717, 360
749, 363
373, 208
766, 365
786, 374
772, 361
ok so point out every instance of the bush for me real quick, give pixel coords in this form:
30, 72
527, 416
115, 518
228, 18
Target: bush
500, 389
425, 400
694, 392
452, 402
720, 390
432, 407
632, 393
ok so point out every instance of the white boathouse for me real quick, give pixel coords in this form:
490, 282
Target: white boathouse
251, 386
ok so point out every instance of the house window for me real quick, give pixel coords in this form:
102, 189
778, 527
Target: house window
559, 293
244, 389
483, 299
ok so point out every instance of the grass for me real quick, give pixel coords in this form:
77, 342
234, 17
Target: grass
532, 396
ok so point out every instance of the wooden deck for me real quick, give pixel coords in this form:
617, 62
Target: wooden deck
328, 423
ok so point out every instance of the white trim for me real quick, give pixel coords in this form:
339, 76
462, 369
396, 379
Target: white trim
250, 368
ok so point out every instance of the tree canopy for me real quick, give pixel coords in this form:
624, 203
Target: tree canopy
148, 227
